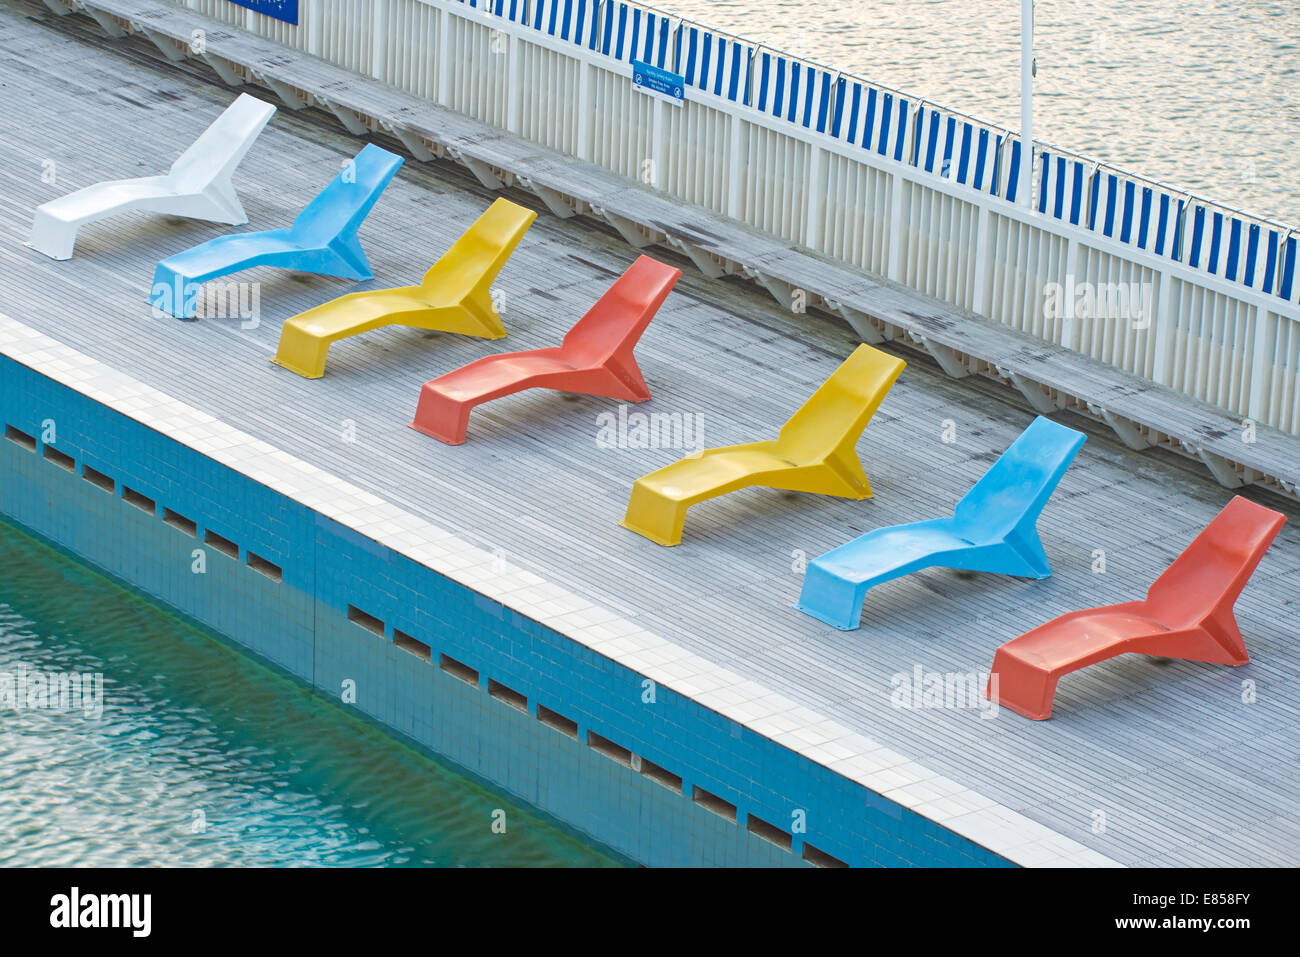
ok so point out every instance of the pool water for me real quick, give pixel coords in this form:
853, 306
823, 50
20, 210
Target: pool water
205, 757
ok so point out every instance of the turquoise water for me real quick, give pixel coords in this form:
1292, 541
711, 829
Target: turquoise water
202, 756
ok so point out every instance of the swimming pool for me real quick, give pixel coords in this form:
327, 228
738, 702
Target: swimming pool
202, 756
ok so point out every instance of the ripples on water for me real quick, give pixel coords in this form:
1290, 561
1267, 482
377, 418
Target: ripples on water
281, 776
1204, 96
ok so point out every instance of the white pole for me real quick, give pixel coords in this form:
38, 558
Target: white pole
1026, 101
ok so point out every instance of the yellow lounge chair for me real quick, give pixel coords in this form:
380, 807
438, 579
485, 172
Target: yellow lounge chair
814, 452
454, 296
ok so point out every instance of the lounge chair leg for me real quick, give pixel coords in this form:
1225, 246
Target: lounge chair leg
658, 518
350, 260
1222, 627
1216, 641
228, 209
441, 417
831, 599
629, 376
478, 305
1024, 541
1021, 687
53, 236
301, 352
847, 468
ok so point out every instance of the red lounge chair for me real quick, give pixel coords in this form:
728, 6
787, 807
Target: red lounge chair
1187, 614
595, 358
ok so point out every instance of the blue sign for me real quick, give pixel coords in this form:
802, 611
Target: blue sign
286, 11
659, 82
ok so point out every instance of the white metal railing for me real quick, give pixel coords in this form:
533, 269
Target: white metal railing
910, 190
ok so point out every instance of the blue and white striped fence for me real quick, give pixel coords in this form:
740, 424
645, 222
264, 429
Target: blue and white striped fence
853, 170
792, 90
572, 20
714, 63
986, 158
966, 152
1218, 241
630, 32
870, 118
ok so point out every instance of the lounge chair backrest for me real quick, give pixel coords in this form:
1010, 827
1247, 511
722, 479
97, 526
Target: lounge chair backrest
835, 415
1215, 567
222, 145
340, 207
478, 255
621, 315
1019, 483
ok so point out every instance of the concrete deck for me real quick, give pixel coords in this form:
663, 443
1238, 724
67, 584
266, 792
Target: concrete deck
1184, 772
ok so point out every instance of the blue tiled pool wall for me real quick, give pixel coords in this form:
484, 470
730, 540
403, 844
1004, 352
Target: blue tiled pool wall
319, 621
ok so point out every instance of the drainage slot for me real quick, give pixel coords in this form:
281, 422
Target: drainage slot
509, 695
97, 478
559, 722
769, 832
179, 521
715, 804
609, 749
61, 459
143, 502
366, 621
454, 668
221, 544
820, 858
22, 438
270, 569
661, 775
413, 645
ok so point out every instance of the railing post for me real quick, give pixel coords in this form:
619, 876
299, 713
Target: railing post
1181, 219
1162, 330
586, 107
982, 294
657, 148
379, 40
898, 233
1262, 341
915, 117
514, 102
445, 26
316, 35
1028, 180
1069, 329
816, 198
737, 161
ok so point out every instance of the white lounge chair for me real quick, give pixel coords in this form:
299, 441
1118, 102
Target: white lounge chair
198, 186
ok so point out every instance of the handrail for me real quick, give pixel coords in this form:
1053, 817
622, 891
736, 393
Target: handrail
917, 116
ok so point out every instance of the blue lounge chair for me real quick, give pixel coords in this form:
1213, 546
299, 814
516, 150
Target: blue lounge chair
322, 240
993, 529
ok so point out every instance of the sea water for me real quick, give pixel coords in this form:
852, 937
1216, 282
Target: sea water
1201, 96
